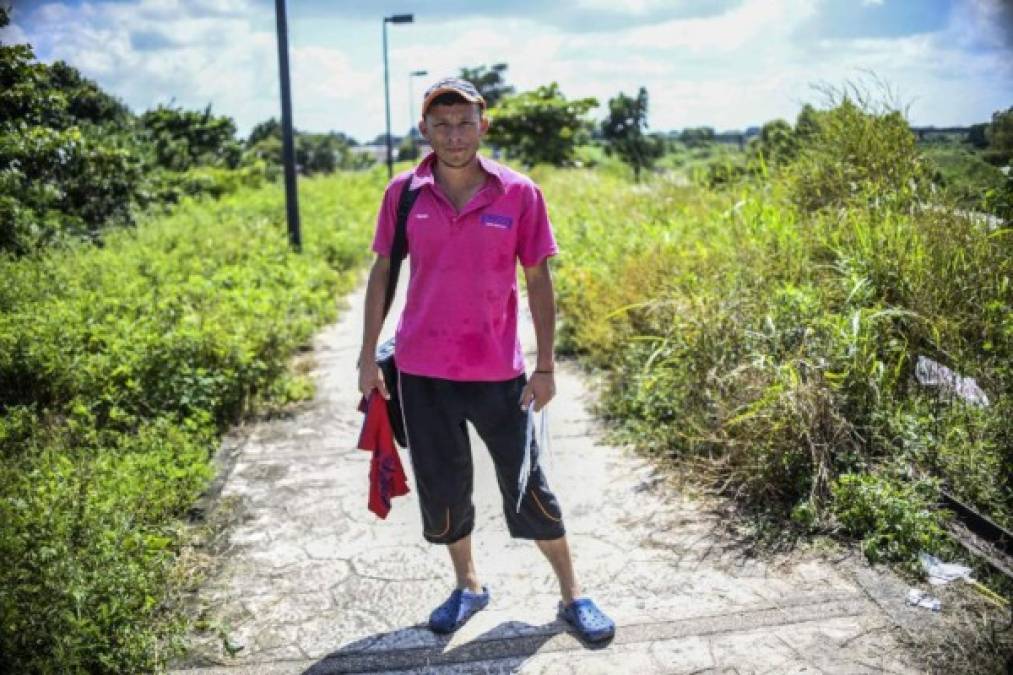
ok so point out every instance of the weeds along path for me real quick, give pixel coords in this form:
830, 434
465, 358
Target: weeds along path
312, 582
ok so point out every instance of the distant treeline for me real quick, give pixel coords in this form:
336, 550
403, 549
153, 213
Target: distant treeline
75, 160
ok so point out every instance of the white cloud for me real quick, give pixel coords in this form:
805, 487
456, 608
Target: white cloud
749, 64
226, 59
12, 34
635, 7
983, 24
327, 88
756, 25
220, 7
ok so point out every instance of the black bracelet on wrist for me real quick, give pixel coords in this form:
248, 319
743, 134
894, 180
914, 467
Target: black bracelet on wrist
548, 372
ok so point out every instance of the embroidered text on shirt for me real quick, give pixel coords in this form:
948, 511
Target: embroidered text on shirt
496, 220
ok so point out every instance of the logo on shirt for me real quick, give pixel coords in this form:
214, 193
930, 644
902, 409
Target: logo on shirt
497, 221
421, 215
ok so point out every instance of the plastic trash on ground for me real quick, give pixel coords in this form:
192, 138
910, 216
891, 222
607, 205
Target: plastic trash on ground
940, 573
923, 599
934, 374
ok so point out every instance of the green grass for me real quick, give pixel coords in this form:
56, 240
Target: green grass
763, 332
120, 367
963, 172
770, 330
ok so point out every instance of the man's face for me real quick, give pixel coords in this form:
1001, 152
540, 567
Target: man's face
455, 132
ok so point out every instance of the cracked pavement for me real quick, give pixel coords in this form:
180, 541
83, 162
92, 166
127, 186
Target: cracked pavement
312, 582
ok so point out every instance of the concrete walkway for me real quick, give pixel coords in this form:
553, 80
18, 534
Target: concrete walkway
312, 582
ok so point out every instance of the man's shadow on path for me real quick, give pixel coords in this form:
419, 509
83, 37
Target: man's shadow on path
416, 647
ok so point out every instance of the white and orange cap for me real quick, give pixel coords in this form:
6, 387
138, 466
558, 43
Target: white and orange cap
452, 85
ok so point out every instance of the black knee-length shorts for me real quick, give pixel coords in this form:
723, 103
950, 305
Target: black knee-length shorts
436, 412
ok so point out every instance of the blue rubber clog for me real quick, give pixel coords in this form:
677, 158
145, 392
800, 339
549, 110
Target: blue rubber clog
458, 608
591, 624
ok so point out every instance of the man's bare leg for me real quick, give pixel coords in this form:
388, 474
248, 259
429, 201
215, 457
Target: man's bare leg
557, 551
464, 565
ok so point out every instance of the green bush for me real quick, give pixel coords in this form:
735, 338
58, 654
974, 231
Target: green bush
999, 199
771, 328
895, 520
119, 368
62, 185
89, 532
961, 172
74, 161
182, 139
854, 156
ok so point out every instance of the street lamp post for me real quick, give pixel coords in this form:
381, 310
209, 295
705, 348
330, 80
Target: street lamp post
288, 147
396, 18
411, 99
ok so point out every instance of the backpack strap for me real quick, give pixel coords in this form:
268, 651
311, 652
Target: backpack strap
400, 247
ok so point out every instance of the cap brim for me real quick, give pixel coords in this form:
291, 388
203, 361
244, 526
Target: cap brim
451, 90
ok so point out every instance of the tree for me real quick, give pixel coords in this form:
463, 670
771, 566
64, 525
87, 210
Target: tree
409, 149
777, 142
540, 126
489, 82
381, 139
314, 153
693, 138
85, 100
623, 131
69, 163
74, 160
977, 135
1000, 138
270, 128
807, 124
186, 138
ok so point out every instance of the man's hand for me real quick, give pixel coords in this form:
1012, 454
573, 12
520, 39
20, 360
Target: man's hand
370, 378
541, 389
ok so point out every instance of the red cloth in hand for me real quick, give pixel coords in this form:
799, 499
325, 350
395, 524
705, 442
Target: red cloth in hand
386, 475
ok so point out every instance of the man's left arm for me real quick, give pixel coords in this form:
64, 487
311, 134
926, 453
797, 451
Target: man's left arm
541, 387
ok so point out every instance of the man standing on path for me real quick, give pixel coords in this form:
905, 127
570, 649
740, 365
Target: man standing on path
458, 350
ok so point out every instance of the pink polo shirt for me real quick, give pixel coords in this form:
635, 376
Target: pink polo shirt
460, 318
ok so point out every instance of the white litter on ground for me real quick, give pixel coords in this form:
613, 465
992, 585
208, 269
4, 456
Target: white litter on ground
923, 599
940, 573
931, 373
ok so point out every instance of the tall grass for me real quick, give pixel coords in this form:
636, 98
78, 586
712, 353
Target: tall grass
119, 368
770, 330
766, 331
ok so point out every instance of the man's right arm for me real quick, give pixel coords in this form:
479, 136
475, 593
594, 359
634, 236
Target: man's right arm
370, 376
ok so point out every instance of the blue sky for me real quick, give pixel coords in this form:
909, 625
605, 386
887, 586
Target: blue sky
723, 63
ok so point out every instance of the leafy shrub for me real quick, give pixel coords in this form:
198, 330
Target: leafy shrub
88, 534
854, 156
999, 199
895, 520
61, 184
771, 329
74, 160
181, 139
1000, 138
964, 175
119, 367
725, 172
